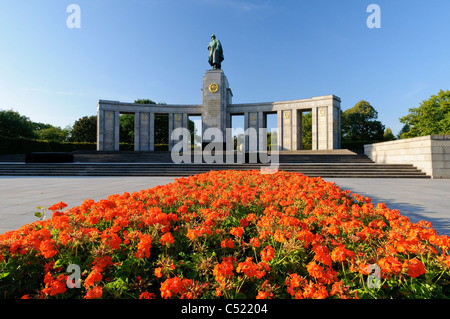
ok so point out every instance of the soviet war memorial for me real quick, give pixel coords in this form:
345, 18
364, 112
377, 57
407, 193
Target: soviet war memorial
307, 196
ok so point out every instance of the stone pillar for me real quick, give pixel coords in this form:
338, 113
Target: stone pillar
295, 132
322, 127
171, 143
262, 133
116, 130
142, 131
314, 128
246, 148
152, 131
100, 128
287, 130
216, 95
137, 131
279, 130
108, 131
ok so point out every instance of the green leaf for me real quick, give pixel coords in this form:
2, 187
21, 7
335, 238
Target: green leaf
4, 274
38, 214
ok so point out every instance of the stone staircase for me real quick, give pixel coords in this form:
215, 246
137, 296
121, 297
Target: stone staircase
326, 164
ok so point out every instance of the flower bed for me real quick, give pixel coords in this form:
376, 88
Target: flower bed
227, 234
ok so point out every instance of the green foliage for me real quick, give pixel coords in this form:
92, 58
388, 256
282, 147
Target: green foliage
388, 135
20, 145
85, 130
12, 124
54, 133
432, 117
126, 123
307, 131
360, 124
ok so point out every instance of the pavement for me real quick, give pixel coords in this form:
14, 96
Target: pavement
418, 199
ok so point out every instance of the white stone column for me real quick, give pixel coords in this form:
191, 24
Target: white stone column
262, 133
100, 127
137, 131
294, 133
279, 130
170, 131
152, 131
116, 130
287, 129
314, 129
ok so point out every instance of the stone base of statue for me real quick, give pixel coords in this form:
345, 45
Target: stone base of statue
216, 97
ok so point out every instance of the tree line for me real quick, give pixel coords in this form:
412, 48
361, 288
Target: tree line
358, 124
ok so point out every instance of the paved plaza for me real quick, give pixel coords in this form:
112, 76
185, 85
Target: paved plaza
419, 199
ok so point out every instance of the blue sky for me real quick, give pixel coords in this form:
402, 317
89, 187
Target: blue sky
274, 50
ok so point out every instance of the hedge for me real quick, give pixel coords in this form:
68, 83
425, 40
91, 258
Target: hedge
9, 145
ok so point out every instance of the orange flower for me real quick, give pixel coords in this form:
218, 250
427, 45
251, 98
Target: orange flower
254, 242
144, 246
224, 270
237, 231
54, 286
415, 267
390, 265
147, 295
262, 295
58, 206
322, 254
93, 277
340, 254
315, 270
267, 253
278, 236
227, 243
47, 248
167, 238
158, 272
94, 293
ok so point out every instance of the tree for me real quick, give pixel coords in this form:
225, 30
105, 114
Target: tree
405, 129
12, 124
360, 124
85, 129
307, 130
432, 117
126, 123
388, 135
54, 134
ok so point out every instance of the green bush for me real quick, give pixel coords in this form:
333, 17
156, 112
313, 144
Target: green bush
10, 145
